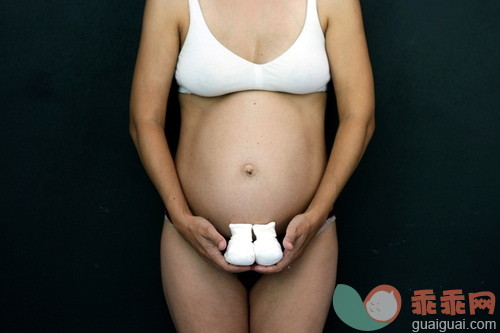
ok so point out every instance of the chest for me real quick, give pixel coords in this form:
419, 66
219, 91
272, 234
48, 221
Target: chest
258, 31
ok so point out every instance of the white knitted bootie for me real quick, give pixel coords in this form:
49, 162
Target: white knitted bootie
266, 246
240, 247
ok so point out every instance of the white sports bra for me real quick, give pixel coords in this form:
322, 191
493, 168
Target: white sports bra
205, 67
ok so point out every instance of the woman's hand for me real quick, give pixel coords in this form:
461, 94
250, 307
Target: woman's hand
299, 232
207, 241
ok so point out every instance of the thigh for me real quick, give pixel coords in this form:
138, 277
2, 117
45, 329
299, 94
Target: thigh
200, 296
298, 299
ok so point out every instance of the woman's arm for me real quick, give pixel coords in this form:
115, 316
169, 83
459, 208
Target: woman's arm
353, 83
153, 75
154, 71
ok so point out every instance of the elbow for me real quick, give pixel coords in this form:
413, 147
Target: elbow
370, 127
132, 128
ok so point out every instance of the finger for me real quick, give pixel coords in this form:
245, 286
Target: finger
235, 269
290, 242
278, 267
215, 237
269, 269
291, 237
221, 262
214, 256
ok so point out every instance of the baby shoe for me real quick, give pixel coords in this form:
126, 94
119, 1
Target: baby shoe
266, 246
240, 250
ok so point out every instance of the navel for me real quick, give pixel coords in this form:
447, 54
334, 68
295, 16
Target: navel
249, 169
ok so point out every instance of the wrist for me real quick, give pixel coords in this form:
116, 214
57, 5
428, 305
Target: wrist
178, 216
318, 213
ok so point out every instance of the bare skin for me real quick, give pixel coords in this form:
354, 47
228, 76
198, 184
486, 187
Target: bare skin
294, 300
250, 157
256, 166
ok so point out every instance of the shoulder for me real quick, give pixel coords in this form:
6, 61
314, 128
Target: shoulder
337, 12
167, 12
174, 7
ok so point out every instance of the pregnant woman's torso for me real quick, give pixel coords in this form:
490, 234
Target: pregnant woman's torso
251, 157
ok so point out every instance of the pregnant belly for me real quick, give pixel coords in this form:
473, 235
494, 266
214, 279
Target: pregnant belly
250, 169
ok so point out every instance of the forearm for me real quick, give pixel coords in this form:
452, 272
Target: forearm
149, 139
351, 140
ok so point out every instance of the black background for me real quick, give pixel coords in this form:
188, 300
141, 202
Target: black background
80, 222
